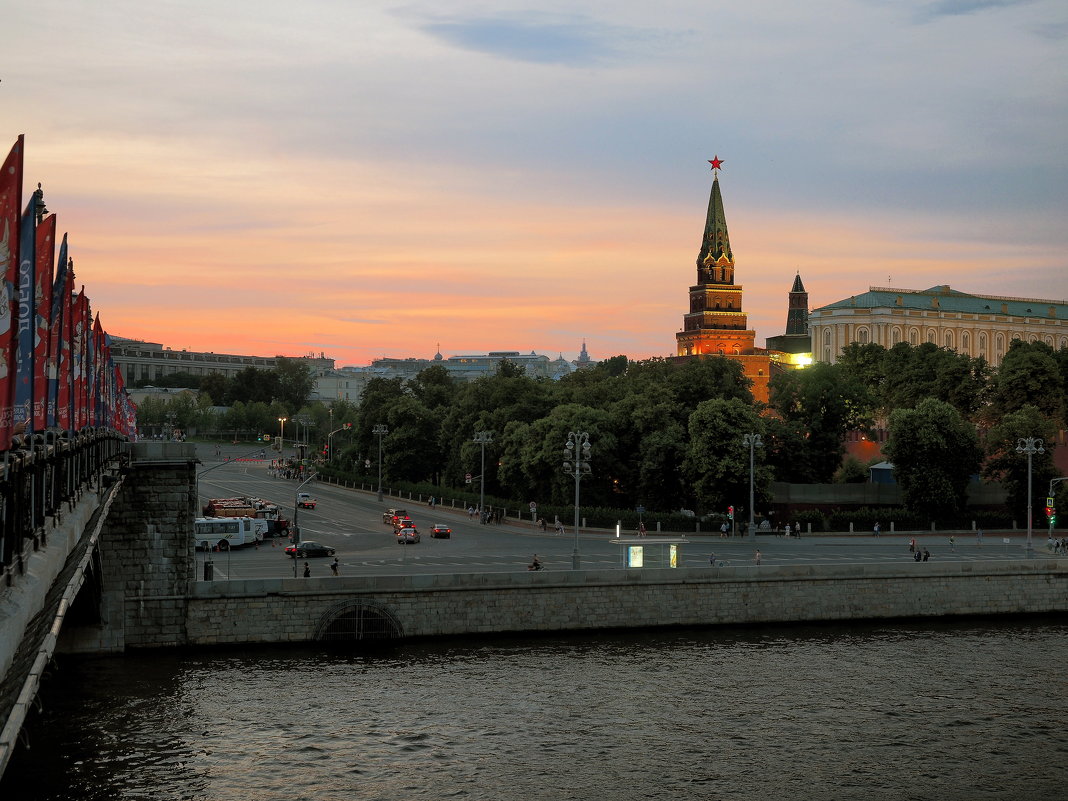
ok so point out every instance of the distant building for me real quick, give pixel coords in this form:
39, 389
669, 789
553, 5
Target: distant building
796, 343
348, 383
975, 325
150, 361
716, 324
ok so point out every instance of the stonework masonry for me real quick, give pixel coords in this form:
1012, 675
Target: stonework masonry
146, 554
292, 610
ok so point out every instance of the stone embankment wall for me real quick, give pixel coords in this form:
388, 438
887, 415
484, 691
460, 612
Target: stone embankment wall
294, 610
146, 554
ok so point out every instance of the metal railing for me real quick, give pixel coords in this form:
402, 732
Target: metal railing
49, 471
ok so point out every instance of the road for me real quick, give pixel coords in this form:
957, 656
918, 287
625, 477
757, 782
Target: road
351, 522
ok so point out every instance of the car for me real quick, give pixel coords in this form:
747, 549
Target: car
403, 522
308, 548
390, 516
408, 535
305, 500
441, 531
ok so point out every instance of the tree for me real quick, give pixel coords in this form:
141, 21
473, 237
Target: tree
294, 382
1004, 464
718, 461
217, 387
826, 401
935, 452
1029, 376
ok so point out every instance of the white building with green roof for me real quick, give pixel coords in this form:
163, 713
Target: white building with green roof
977, 325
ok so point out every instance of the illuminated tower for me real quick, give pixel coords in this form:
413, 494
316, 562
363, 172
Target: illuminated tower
715, 323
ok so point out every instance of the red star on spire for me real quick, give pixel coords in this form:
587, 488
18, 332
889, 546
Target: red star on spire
716, 162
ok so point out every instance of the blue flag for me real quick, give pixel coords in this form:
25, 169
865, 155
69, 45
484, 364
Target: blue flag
23, 409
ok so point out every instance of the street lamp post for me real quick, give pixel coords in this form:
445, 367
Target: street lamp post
753, 441
380, 431
1030, 446
281, 432
482, 438
577, 463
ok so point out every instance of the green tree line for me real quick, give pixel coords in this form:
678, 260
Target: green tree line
668, 435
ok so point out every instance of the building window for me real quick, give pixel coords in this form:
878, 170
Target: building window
949, 339
862, 336
914, 337
895, 335
982, 345
965, 341
931, 335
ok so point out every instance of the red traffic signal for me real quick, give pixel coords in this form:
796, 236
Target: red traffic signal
730, 513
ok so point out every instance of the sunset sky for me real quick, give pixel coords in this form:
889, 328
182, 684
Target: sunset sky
372, 179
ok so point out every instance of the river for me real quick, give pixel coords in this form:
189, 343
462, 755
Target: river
958, 710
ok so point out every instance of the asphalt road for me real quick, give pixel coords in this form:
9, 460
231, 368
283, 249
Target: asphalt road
351, 522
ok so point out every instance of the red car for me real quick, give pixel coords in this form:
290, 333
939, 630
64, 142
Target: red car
441, 531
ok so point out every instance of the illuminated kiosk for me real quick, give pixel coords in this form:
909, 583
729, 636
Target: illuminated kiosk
650, 551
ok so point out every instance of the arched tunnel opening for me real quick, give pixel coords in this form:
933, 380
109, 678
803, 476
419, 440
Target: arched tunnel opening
358, 621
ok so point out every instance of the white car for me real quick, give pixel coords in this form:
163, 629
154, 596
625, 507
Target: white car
407, 535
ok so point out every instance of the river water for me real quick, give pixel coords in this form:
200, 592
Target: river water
966, 710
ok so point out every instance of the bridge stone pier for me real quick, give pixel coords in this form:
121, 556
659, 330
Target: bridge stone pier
145, 552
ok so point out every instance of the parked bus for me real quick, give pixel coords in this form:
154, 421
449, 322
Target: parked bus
225, 532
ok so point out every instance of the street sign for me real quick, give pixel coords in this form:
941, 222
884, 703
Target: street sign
1049, 502
640, 509
467, 477
533, 506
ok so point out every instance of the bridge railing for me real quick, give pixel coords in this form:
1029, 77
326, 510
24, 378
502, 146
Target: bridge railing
46, 474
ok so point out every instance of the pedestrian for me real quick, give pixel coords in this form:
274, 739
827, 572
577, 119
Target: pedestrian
641, 529
787, 530
952, 543
926, 554
712, 559
912, 545
876, 529
333, 566
723, 531
979, 537
757, 558
559, 526
307, 570
918, 556
797, 529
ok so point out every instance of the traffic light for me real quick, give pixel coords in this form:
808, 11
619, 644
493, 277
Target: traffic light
1051, 515
730, 513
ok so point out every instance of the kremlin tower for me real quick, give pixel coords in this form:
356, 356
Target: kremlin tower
716, 325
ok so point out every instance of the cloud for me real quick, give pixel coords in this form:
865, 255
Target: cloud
960, 8
573, 42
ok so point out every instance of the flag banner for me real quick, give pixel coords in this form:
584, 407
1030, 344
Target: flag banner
55, 335
96, 396
10, 206
45, 251
65, 381
23, 409
77, 346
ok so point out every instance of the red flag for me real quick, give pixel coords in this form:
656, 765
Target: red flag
46, 239
10, 209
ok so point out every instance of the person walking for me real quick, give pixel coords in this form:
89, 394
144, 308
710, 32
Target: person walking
787, 530
757, 558
926, 554
952, 544
712, 559
641, 529
979, 537
876, 529
307, 570
333, 566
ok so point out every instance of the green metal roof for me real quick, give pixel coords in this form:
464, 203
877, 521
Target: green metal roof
943, 298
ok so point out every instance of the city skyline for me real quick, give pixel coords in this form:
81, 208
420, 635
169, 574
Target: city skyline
373, 181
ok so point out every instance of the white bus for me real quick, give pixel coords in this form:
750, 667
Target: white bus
225, 532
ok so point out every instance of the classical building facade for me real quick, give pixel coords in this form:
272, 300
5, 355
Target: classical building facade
976, 325
716, 324
150, 361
